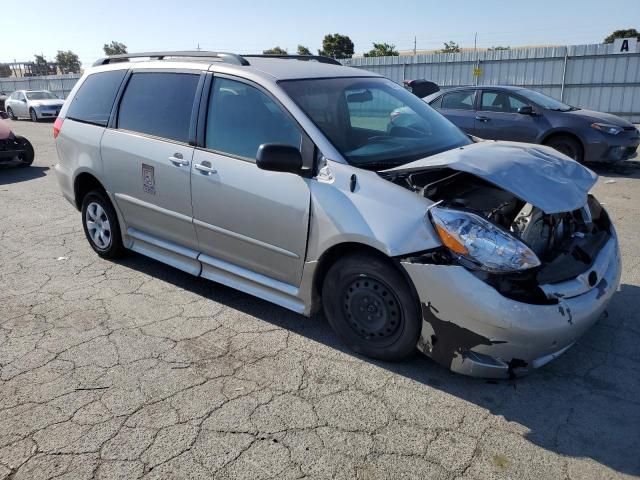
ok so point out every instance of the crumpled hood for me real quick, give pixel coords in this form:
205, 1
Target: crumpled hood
601, 117
536, 174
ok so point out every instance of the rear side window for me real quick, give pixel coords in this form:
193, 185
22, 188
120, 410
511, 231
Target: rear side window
459, 100
94, 99
437, 103
159, 104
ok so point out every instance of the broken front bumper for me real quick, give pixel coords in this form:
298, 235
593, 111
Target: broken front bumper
472, 329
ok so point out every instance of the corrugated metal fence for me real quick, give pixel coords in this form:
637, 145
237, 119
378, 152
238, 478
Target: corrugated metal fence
60, 85
586, 76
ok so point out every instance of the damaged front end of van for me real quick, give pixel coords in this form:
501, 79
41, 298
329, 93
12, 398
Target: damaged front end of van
529, 260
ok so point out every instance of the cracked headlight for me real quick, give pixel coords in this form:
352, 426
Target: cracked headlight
606, 128
479, 244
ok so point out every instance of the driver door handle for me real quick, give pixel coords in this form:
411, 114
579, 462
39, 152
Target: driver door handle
205, 168
482, 118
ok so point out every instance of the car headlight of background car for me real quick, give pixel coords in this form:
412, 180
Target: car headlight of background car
479, 244
607, 128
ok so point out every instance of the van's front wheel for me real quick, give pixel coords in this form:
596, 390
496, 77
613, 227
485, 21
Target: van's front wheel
369, 305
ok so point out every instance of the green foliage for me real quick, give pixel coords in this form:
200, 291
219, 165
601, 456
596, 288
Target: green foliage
68, 62
114, 48
41, 66
5, 70
336, 46
382, 50
450, 47
275, 51
302, 50
625, 33
499, 47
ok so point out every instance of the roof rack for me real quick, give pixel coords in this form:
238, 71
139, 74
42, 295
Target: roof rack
316, 58
225, 57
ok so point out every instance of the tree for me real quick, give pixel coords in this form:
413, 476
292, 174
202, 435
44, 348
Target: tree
382, 50
275, 51
5, 70
302, 50
41, 66
450, 47
336, 46
499, 47
114, 48
68, 62
626, 33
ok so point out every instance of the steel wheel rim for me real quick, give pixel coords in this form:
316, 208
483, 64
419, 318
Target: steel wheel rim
373, 310
98, 226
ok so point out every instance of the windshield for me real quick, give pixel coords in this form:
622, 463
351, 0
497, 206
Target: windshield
545, 101
40, 95
373, 122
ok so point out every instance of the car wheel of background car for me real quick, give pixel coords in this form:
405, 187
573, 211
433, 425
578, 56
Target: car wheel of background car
100, 224
11, 115
33, 115
27, 156
567, 145
369, 304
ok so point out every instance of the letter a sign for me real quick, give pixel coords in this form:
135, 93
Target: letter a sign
625, 45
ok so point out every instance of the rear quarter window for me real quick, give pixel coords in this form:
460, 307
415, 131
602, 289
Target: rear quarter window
94, 99
159, 104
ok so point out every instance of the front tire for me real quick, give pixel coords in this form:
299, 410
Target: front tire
27, 155
101, 227
33, 115
11, 115
567, 145
369, 304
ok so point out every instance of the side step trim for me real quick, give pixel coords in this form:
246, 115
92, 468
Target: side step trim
174, 255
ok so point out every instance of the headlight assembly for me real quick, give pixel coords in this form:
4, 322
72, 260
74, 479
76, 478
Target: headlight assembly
606, 128
479, 244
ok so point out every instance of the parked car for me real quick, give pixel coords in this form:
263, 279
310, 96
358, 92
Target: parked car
14, 149
523, 115
283, 178
33, 104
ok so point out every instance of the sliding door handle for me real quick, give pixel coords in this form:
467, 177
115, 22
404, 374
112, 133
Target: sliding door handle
205, 168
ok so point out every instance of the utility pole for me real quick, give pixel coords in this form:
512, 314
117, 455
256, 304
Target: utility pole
415, 43
198, 48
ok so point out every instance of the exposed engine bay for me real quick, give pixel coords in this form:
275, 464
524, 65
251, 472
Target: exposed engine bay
566, 243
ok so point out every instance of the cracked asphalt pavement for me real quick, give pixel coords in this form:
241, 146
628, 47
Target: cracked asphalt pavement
134, 369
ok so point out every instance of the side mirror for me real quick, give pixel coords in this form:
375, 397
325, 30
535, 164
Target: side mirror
526, 110
277, 157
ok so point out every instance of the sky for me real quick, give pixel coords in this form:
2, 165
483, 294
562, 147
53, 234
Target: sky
83, 26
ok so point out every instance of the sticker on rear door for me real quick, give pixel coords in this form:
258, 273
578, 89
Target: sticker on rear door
148, 180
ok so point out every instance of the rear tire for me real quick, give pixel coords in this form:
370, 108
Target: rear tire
33, 115
567, 145
100, 224
26, 158
369, 304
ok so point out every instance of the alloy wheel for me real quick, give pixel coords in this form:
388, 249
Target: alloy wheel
98, 226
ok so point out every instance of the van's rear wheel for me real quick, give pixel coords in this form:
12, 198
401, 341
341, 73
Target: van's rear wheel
369, 305
100, 224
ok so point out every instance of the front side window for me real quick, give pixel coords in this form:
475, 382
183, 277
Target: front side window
373, 122
459, 100
500, 102
159, 104
43, 95
94, 99
545, 101
241, 118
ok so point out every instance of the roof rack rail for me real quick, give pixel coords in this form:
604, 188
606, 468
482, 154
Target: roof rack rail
316, 58
225, 57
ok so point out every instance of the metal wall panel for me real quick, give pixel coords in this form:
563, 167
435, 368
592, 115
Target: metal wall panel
590, 76
59, 85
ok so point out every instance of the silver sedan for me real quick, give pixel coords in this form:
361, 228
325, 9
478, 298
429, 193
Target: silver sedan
33, 104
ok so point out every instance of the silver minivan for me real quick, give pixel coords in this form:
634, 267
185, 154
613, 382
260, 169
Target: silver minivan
287, 178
